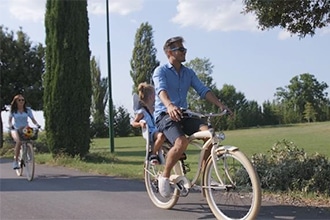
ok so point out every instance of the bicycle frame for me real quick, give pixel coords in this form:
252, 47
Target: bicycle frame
203, 147
213, 142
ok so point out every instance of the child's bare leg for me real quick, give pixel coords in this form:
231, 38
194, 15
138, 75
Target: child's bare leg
159, 140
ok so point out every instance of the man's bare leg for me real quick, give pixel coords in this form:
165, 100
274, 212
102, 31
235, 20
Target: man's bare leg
174, 154
172, 157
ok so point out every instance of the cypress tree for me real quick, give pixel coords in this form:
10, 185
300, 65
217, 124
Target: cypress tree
67, 82
143, 61
100, 96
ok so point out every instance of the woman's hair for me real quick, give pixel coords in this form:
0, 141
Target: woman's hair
145, 91
13, 108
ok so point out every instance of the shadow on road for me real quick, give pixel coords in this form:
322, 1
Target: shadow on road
71, 183
274, 211
48, 180
267, 211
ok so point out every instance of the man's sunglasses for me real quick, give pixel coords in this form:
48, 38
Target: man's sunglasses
181, 49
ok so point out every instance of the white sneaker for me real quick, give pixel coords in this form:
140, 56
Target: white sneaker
164, 186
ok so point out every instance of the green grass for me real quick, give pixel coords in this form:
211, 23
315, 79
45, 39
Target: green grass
127, 161
312, 137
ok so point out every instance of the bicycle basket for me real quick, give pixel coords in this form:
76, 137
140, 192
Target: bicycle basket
28, 133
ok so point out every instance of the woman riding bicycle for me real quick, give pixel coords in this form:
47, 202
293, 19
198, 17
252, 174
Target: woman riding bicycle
20, 113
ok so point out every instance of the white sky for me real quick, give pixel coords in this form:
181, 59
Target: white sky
255, 62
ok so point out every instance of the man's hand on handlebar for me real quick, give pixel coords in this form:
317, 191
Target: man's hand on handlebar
174, 112
226, 110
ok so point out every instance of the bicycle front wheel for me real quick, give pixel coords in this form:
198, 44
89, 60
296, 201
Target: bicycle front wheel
29, 161
232, 186
151, 174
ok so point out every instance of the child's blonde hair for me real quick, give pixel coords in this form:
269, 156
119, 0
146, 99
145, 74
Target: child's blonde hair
145, 91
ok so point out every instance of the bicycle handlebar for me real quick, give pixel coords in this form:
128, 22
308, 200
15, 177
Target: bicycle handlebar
190, 113
34, 128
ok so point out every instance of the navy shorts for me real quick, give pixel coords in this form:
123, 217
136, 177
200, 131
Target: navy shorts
173, 129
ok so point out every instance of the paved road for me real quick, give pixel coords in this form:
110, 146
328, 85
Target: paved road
61, 193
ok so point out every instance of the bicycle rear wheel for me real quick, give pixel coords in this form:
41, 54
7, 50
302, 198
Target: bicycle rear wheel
236, 192
29, 161
151, 174
19, 171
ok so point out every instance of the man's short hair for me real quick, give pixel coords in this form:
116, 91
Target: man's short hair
168, 44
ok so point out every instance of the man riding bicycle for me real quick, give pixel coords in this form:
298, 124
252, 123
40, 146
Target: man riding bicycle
172, 82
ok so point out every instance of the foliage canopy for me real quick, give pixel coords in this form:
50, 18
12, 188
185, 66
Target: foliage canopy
22, 66
301, 17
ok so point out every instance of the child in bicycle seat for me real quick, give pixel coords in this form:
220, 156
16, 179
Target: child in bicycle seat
144, 115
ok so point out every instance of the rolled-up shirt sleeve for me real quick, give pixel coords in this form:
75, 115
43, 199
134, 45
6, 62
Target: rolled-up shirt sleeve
199, 87
159, 79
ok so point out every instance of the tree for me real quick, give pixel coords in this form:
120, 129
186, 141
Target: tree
143, 60
203, 69
122, 126
269, 113
237, 102
99, 101
303, 88
67, 99
301, 17
22, 66
326, 109
309, 112
251, 115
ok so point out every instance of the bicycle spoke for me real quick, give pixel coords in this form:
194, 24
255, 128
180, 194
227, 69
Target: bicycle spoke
237, 194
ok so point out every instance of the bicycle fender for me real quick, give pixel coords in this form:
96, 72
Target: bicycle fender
224, 148
200, 134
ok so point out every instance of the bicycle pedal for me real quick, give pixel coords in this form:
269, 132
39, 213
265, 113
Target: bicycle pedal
181, 186
184, 192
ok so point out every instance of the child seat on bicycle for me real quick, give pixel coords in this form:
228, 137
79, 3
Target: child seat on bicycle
143, 109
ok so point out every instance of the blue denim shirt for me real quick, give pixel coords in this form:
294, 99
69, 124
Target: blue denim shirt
176, 85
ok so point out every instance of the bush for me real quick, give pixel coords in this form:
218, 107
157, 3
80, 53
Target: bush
288, 168
41, 143
8, 145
